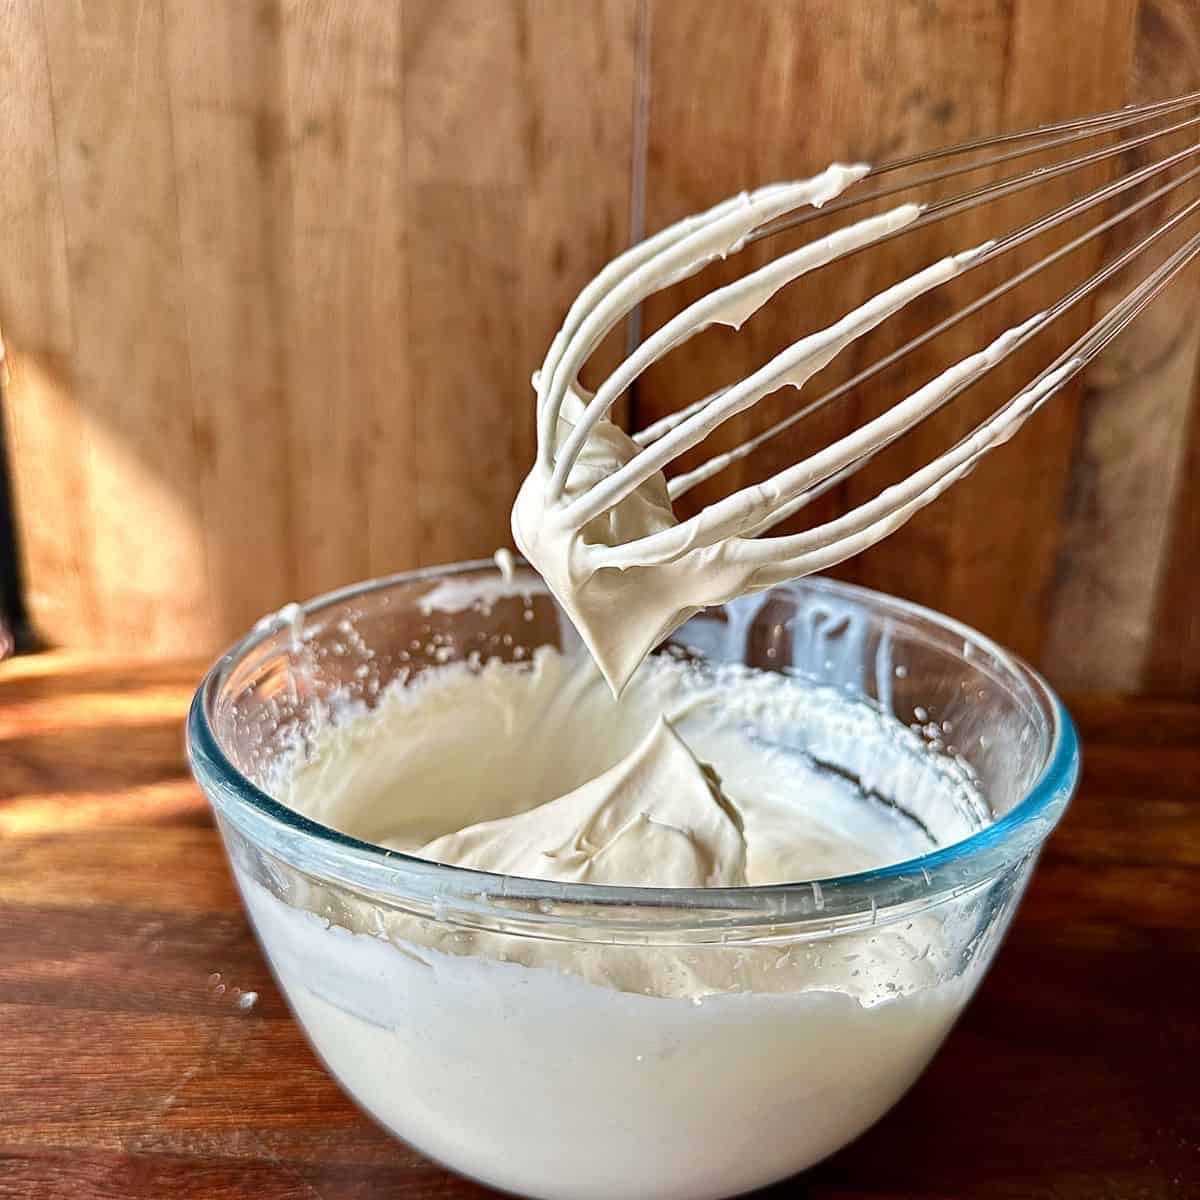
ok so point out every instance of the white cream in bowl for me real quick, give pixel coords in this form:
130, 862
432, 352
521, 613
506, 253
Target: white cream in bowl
573, 1067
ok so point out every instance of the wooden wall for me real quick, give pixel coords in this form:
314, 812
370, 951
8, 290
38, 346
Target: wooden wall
274, 275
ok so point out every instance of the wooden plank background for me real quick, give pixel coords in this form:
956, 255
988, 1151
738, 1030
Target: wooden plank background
274, 276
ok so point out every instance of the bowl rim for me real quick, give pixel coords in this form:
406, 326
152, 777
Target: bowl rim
836, 901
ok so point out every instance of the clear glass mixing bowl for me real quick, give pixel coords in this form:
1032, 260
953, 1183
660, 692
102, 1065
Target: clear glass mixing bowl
489, 1020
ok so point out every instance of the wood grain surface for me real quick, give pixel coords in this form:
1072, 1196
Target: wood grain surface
128, 1069
225, 66
133, 388
1173, 666
35, 312
273, 280
1119, 581
274, 275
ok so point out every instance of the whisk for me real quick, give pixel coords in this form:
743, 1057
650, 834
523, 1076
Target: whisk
595, 514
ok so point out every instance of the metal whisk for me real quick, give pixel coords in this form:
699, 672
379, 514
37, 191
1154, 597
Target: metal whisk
598, 502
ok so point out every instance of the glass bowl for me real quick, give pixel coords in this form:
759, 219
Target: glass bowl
488, 1021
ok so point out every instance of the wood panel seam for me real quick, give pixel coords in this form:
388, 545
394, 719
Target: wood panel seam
641, 99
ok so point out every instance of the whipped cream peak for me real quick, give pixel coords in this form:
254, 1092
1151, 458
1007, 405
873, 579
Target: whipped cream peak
621, 613
658, 813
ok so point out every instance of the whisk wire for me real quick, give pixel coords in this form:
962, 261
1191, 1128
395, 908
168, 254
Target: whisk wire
1126, 115
683, 249
1070, 361
681, 484
698, 421
1082, 130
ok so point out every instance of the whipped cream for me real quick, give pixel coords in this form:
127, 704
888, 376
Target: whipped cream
616, 1065
699, 774
542, 1082
658, 816
595, 514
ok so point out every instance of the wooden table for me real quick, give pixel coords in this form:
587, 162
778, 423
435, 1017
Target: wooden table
126, 1072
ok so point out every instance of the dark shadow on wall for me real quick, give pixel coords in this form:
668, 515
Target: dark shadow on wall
15, 631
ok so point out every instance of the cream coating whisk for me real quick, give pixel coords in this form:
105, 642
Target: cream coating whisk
595, 515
